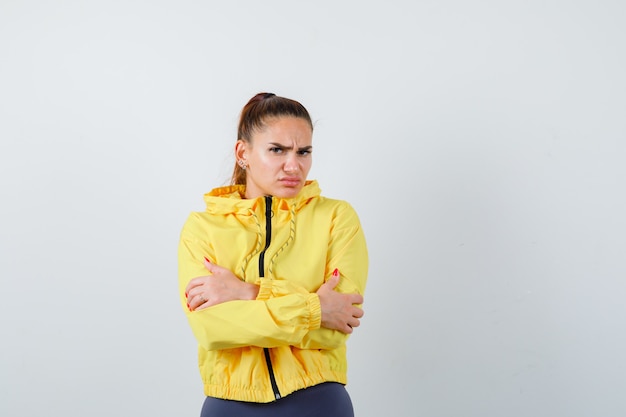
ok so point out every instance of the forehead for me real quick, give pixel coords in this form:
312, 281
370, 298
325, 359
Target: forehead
284, 129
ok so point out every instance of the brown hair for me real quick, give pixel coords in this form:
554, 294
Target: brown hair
256, 113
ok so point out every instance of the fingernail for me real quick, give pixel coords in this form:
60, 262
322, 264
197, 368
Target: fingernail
186, 294
336, 272
206, 259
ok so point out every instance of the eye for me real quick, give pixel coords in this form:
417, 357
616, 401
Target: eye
305, 152
276, 149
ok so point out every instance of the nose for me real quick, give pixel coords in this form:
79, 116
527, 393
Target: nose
291, 163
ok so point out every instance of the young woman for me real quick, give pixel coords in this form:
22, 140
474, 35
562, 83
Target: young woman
272, 276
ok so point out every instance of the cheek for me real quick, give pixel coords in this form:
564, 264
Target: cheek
306, 165
263, 161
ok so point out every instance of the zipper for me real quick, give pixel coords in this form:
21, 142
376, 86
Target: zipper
268, 239
270, 369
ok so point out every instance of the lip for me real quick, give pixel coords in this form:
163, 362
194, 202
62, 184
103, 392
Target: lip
290, 181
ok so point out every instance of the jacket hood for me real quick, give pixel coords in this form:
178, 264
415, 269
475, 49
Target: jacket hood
229, 199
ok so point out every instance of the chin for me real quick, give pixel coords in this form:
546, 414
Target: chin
287, 192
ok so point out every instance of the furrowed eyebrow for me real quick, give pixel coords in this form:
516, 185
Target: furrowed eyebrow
278, 145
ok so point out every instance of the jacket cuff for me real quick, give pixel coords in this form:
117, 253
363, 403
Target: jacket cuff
315, 309
265, 289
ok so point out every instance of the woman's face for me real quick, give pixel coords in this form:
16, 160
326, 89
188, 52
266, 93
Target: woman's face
278, 158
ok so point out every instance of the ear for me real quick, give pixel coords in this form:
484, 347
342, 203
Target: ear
241, 149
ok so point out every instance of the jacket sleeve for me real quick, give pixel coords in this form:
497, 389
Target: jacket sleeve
347, 252
278, 321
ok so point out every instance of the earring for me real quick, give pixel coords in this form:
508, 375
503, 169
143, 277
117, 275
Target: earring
242, 164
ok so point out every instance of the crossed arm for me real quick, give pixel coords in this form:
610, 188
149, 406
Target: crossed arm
226, 312
338, 311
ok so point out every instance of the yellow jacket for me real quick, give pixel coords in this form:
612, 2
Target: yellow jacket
259, 350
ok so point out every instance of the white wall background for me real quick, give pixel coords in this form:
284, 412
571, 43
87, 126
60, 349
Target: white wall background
482, 143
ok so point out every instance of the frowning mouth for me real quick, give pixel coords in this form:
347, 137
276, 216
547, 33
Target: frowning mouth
290, 181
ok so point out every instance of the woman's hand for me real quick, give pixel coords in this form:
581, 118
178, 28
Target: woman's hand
338, 309
221, 286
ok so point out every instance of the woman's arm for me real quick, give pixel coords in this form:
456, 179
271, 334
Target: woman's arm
338, 310
223, 315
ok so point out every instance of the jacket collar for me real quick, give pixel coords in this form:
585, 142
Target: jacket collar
229, 199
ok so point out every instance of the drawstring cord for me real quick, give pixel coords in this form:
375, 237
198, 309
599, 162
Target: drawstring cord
292, 233
257, 248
